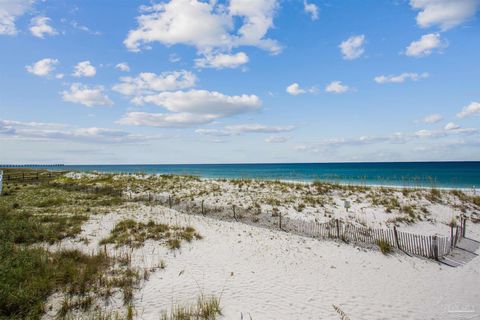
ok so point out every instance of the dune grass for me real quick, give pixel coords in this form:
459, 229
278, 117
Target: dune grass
134, 234
203, 309
42, 212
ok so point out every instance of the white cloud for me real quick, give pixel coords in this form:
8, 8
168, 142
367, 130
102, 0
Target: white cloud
206, 25
123, 66
88, 96
337, 87
444, 13
295, 90
401, 78
257, 128
162, 120
426, 45
451, 126
84, 69
39, 27
311, 9
242, 129
352, 48
214, 132
433, 118
276, 139
190, 108
203, 102
80, 27
221, 60
10, 10
149, 83
55, 131
470, 110
42, 68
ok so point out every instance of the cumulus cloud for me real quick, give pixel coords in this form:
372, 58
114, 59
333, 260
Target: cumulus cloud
10, 10
426, 45
190, 108
444, 13
470, 110
353, 47
276, 139
42, 68
294, 89
88, 96
222, 60
123, 66
39, 27
203, 102
55, 131
337, 87
148, 83
208, 26
84, 69
311, 9
401, 78
433, 118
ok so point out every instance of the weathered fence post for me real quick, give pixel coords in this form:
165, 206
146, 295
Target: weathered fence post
280, 221
395, 233
170, 201
435, 247
464, 226
234, 214
203, 211
338, 228
456, 237
451, 235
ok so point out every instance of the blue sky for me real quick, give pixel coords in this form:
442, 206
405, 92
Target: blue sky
190, 81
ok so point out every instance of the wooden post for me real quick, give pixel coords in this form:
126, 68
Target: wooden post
280, 221
234, 214
451, 235
435, 247
395, 233
464, 229
456, 237
170, 201
338, 228
203, 212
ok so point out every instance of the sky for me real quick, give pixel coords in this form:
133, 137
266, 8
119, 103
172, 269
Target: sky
239, 81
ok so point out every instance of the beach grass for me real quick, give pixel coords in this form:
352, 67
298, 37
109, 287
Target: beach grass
38, 212
206, 308
133, 234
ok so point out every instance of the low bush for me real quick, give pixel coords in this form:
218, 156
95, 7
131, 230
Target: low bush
384, 246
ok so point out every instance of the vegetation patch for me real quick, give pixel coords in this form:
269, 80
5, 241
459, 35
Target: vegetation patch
134, 234
384, 246
204, 309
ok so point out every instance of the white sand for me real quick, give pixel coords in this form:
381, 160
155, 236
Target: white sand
267, 274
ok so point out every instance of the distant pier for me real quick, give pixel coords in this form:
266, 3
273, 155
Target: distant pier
31, 165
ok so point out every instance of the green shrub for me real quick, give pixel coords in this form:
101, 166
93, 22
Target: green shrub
384, 246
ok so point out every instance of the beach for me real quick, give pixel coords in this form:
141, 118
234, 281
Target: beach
187, 244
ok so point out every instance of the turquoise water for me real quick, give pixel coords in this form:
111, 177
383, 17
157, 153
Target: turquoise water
413, 174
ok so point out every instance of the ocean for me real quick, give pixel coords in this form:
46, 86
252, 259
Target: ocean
407, 174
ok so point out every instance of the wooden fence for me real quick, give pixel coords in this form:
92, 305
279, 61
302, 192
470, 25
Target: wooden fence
434, 247
30, 176
429, 246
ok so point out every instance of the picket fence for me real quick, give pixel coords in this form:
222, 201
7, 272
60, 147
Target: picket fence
429, 246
